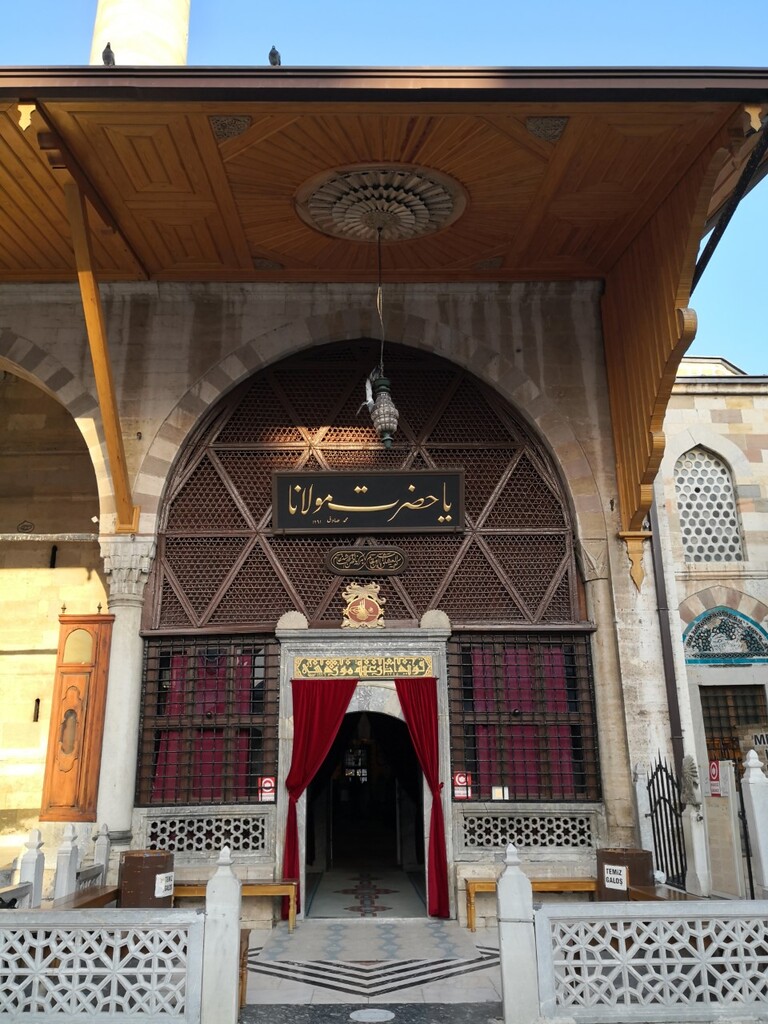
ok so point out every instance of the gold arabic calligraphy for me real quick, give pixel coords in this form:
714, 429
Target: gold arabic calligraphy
371, 667
307, 505
382, 560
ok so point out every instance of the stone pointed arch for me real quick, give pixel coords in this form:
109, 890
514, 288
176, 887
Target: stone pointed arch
720, 596
27, 360
441, 338
376, 698
704, 436
302, 414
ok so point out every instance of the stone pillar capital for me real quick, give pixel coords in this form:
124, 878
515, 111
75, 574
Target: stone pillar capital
127, 561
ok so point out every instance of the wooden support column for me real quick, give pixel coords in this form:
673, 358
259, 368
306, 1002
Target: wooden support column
647, 329
127, 513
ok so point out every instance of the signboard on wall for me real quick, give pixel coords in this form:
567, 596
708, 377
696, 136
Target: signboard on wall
755, 737
462, 786
615, 876
367, 502
715, 788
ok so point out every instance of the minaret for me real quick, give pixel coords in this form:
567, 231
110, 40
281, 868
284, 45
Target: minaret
154, 32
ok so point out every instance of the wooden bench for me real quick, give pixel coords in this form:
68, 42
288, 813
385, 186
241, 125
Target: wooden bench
87, 899
245, 941
660, 892
476, 885
284, 888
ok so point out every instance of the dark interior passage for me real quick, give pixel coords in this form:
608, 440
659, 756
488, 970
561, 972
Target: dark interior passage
364, 805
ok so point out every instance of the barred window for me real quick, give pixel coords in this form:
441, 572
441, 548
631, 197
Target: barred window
209, 721
706, 504
522, 717
730, 713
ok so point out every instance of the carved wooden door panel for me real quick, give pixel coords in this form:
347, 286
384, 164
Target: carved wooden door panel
77, 718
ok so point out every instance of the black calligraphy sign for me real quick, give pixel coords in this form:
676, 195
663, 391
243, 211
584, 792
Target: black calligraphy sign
366, 561
365, 502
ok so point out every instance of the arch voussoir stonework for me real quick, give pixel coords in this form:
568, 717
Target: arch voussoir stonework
722, 597
27, 360
411, 330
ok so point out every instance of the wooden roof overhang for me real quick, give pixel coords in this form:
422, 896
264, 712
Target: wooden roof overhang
191, 174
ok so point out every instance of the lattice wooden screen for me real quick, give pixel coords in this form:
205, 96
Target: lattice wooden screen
221, 567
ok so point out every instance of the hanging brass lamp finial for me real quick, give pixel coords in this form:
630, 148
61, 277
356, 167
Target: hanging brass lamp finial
383, 410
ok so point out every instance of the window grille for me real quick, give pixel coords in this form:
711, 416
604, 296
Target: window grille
522, 717
209, 721
728, 712
709, 520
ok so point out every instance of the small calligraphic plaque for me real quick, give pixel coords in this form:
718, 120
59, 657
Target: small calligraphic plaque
370, 667
405, 502
366, 561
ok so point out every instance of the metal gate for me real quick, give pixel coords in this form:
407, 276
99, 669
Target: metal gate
667, 823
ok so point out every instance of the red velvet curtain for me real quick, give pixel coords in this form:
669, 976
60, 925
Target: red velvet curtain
318, 709
166, 780
506, 750
560, 736
486, 729
418, 699
522, 754
202, 691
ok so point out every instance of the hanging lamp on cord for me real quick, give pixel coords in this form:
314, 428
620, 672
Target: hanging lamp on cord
378, 397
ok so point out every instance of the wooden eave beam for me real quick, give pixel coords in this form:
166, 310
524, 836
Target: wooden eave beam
647, 328
127, 512
61, 158
396, 84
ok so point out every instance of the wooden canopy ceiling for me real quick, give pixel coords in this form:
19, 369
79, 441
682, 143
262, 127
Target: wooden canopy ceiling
187, 174
186, 188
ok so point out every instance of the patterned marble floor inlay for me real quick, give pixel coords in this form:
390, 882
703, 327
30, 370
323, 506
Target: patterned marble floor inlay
367, 893
371, 979
367, 940
385, 892
366, 959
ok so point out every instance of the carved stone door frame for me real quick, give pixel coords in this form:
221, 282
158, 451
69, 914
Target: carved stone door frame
375, 658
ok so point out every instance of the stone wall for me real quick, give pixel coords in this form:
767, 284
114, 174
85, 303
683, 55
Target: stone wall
47, 486
727, 414
176, 349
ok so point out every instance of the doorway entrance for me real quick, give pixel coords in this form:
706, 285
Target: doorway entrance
365, 830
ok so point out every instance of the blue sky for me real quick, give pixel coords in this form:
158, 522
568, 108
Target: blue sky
550, 33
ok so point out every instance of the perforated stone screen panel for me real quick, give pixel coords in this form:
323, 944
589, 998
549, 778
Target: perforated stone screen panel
101, 965
701, 961
185, 833
706, 504
496, 829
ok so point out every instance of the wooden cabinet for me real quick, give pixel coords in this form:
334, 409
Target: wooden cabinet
77, 718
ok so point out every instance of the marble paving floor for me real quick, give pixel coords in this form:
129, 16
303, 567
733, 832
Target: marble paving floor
352, 892
366, 946
366, 962
396, 1013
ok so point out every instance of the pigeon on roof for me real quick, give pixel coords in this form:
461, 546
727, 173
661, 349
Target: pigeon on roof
108, 56
274, 57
